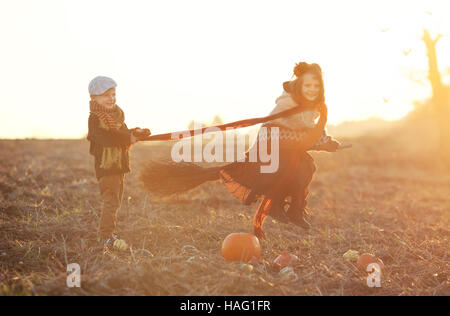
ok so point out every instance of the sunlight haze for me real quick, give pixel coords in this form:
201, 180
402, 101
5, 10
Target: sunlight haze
177, 61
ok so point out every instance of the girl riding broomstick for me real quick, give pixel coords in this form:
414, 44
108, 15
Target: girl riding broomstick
283, 192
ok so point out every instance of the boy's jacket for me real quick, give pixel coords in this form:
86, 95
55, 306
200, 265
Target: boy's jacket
109, 146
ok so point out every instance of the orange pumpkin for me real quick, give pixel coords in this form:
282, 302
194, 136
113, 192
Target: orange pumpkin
241, 247
366, 259
285, 260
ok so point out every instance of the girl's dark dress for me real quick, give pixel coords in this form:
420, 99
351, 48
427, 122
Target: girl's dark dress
245, 181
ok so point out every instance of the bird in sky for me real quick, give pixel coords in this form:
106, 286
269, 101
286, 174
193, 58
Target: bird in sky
407, 51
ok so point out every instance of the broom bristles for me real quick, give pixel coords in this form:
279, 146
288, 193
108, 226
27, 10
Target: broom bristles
168, 178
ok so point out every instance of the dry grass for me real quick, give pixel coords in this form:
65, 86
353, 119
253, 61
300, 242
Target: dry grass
377, 197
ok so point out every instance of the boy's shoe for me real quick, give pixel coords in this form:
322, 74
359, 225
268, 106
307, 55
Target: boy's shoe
114, 243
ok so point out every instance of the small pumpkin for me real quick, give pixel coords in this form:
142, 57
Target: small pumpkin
241, 247
366, 259
285, 260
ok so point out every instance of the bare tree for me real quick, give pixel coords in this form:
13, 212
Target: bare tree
440, 100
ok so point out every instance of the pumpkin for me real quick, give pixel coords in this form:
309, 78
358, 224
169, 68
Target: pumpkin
366, 259
285, 260
241, 247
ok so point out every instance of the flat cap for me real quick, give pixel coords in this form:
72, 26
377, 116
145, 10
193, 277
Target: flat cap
100, 85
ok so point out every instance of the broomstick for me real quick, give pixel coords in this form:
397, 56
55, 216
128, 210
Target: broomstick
169, 178
223, 127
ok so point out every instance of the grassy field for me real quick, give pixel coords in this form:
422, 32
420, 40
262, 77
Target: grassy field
377, 197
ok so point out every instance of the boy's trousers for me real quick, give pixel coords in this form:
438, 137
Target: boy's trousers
111, 190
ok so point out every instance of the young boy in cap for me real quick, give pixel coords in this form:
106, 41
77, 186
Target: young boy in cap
110, 140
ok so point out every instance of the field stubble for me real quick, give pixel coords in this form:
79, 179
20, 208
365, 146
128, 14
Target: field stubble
374, 198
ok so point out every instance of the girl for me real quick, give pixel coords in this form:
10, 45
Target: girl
288, 186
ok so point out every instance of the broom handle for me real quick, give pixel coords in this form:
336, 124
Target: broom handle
236, 124
344, 146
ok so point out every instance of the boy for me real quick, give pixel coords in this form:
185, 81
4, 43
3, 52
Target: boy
110, 140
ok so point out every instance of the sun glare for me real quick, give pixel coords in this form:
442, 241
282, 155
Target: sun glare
228, 61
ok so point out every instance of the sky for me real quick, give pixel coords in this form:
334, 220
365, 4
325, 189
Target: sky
177, 61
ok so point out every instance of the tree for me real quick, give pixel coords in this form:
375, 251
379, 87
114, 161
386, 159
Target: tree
440, 100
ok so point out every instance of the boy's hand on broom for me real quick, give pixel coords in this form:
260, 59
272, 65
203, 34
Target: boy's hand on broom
140, 133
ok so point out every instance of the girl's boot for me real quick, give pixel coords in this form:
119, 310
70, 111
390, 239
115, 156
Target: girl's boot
297, 213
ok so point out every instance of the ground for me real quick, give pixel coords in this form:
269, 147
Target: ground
374, 198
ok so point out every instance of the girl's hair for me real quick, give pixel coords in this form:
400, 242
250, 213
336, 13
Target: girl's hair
294, 87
